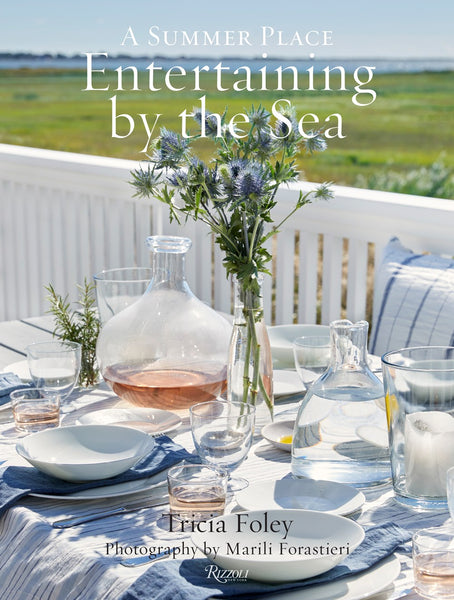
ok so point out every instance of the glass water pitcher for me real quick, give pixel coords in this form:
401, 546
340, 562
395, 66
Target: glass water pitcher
341, 432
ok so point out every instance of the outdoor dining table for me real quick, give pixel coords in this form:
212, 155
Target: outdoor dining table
42, 562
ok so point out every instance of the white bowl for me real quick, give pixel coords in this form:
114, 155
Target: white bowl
281, 340
85, 452
280, 434
149, 420
258, 542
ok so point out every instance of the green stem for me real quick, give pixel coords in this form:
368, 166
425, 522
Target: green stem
246, 380
254, 233
245, 232
304, 199
257, 379
256, 374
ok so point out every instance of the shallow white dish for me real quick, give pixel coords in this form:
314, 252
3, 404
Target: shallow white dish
308, 494
356, 587
19, 368
274, 432
150, 420
305, 528
85, 452
286, 383
281, 340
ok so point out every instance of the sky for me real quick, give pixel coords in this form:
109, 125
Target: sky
368, 28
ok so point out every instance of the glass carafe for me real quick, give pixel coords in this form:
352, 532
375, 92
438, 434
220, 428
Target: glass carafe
341, 432
167, 350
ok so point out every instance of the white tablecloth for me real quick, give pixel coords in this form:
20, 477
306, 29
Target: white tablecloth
39, 562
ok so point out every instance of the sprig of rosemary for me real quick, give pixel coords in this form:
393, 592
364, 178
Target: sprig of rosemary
78, 325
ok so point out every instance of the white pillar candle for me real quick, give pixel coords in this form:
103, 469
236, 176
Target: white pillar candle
429, 452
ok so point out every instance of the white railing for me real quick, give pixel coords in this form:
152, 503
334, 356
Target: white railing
66, 216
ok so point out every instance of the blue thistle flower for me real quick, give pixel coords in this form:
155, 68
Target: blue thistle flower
251, 183
211, 122
145, 181
265, 144
323, 192
196, 163
236, 165
259, 117
201, 175
171, 149
284, 132
286, 135
214, 183
315, 143
178, 178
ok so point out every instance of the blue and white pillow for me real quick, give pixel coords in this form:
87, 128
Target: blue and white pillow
413, 300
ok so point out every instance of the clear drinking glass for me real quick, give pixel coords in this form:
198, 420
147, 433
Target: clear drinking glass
419, 386
311, 354
34, 412
433, 563
197, 492
54, 367
118, 288
222, 433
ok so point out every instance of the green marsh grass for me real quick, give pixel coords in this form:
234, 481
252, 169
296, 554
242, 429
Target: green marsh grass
410, 124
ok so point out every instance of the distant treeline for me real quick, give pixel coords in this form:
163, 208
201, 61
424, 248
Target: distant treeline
60, 55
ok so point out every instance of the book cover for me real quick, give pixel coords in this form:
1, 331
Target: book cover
87, 90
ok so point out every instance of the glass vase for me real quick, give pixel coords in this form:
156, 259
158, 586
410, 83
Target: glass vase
340, 431
250, 365
167, 350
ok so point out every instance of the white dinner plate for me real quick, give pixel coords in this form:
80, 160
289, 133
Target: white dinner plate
149, 420
309, 494
286, 383
276, 432
356, 587
111, 491
19, 368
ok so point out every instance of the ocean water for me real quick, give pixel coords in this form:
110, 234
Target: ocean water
79, 62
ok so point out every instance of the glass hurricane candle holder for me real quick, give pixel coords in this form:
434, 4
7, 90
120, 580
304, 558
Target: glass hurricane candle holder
419, 386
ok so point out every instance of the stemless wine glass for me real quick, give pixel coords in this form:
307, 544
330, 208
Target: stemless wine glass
311, 355
222, 433
54, 367
117, 289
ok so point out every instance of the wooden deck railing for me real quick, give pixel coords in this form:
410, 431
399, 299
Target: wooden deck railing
66, 216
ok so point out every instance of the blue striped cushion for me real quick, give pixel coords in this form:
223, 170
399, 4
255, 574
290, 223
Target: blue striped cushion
413, 300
